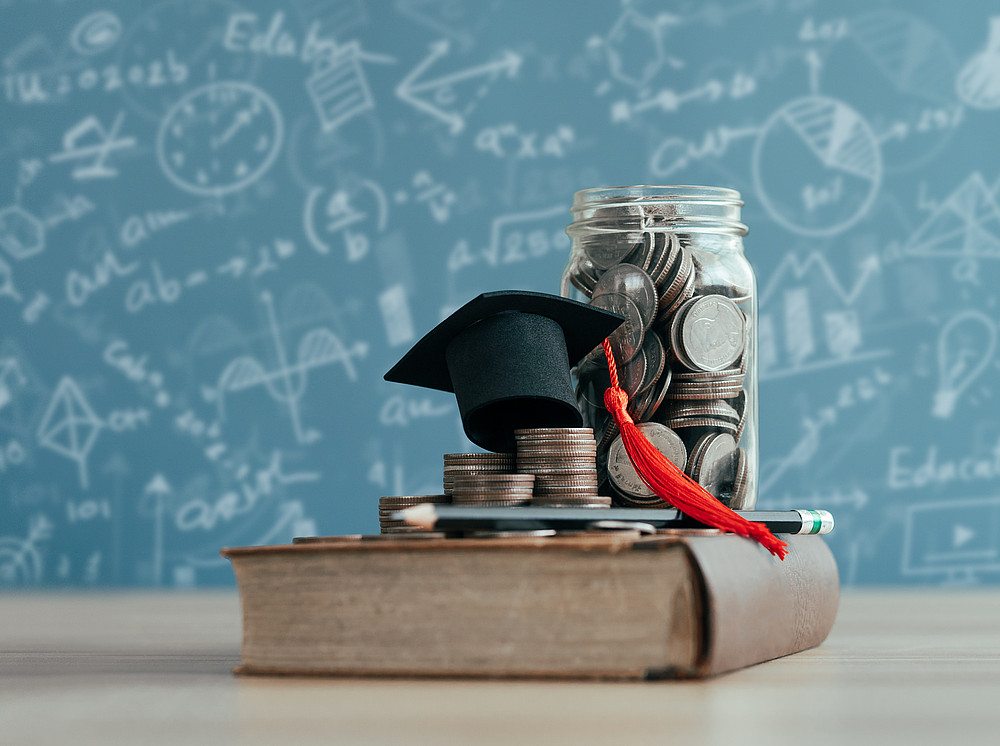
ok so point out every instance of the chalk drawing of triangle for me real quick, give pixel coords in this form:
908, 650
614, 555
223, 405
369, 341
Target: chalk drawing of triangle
965, 224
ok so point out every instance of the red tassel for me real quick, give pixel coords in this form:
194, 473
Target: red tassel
670, 483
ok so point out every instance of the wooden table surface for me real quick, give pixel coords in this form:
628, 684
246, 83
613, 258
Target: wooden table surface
906, 667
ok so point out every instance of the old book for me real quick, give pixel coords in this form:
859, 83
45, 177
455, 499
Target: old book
614, 606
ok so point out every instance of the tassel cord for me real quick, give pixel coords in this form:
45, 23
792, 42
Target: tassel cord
670, 483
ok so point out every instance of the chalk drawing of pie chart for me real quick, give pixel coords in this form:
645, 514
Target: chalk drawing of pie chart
817, 166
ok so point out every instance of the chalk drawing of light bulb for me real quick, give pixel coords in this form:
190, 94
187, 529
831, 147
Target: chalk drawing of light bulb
978, 83
965, 347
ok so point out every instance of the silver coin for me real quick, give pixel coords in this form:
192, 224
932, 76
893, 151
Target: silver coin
393, 500
715, 462
632, 282
656, 359
638, 404
664, 247
727, 374
626, 340
608, 249
713, 332
512, 502
717, 408
620, 469
675, 333
740, 405
660, 391
632, 375
712, 423
553, 432
686, 293
668, 263
678, 282
642, 253
716, 276
583, 274
591, 502
740, 497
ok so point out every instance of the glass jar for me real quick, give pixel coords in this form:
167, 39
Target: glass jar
670, 260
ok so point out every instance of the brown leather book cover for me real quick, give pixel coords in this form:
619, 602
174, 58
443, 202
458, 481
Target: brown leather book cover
758, 607
686, 605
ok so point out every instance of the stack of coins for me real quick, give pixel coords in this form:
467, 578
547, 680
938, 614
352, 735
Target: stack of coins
681, 357
465, 464
390, 504
563, 463
498, 490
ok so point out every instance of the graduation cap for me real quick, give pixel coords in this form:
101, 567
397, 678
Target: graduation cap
506, 355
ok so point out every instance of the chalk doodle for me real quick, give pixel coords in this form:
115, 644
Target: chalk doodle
22, 235
837, 166
69, 426
103, 144
286, 383
21, 560
965, 347
95, 33
635, 48
978, 83
954, 539
220, 138
339, 91
439, 97
344, 217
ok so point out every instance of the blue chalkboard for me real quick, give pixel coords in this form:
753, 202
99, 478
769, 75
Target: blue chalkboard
221, 222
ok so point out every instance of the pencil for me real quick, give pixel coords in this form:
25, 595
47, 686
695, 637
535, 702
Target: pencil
463, 517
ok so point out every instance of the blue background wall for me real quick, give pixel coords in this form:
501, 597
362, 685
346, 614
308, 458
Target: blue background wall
221, 222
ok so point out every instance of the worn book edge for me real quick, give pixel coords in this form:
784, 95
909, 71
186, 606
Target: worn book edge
800, 597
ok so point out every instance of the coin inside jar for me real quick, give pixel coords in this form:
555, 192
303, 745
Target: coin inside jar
712, 333
633, 282
626, 340
714, 462
608, 249
620, 469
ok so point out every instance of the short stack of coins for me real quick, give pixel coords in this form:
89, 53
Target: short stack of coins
497, 490
681, 356
563, 463
466, 464
391, 504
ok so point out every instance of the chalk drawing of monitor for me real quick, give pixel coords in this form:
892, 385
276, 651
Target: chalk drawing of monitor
954, 539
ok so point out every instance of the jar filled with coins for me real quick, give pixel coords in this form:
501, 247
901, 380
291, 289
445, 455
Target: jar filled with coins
670, 260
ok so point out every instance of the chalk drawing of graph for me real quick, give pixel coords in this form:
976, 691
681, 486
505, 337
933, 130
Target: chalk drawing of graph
817, 166
287, 382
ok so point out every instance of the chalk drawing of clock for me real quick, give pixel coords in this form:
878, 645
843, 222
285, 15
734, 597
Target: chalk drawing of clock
219, 138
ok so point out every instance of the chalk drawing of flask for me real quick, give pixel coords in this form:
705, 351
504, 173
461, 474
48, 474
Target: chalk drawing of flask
978, 83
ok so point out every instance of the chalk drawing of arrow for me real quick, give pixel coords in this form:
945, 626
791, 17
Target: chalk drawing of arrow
441, 88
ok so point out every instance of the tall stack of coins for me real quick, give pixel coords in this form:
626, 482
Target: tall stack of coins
392, 503
563, 463
498, 490
670, 261
465, 464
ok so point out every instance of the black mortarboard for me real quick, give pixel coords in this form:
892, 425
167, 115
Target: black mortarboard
506, 355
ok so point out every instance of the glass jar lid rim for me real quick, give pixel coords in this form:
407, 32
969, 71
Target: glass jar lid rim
655, 193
